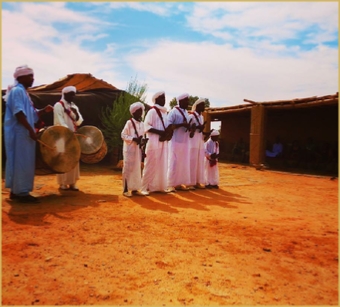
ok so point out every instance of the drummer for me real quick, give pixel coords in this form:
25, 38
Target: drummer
67, 114
20, 136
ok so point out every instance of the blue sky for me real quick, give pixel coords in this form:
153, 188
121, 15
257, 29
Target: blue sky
223, 51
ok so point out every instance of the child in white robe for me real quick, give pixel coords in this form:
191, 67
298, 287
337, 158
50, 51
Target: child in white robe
211, 162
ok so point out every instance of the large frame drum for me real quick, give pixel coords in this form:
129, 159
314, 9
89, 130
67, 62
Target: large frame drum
58, 151
96, 157
90, 139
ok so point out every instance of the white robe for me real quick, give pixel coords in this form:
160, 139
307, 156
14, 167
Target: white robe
179, 161
60, 118
211, 172
156, 161
132, 156
197, 153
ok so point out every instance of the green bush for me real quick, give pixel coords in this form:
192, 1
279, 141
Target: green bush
192, 100
114, 118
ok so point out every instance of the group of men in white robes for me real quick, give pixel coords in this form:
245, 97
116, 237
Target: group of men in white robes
176, 157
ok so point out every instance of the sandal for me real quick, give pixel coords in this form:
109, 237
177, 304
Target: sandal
28, 199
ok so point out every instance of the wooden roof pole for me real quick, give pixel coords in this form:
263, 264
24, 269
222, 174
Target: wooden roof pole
207, 119
256, 148
250, 101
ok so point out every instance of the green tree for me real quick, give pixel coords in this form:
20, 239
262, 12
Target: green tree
114, 117
192, 100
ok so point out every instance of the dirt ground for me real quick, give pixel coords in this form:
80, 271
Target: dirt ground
263, 238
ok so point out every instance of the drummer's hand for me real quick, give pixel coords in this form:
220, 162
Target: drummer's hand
33, 135
75, 113
48, 108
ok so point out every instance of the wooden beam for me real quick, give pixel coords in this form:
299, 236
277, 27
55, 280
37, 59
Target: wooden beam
250, 101
239, 107
325, 102
207, 119
221, 112
256, 148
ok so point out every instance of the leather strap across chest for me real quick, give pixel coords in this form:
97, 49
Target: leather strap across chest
68, 112
197, 119
160, 115
134, 126
184, 118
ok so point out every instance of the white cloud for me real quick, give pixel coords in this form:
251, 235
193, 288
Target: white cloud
226, 76
55, 41
160, 8
30, 37
53, 12
274, 20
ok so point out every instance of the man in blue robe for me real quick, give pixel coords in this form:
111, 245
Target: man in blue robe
20, 136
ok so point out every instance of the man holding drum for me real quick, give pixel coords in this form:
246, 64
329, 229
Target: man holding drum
67, 114
20, 136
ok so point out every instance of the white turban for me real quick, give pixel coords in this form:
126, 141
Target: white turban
67, 89
19, 72
154, 97
197, 102
180, 97
215, 132
135, 106
22, 71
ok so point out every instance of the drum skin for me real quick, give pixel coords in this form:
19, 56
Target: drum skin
90, 139
96, 157
63, 151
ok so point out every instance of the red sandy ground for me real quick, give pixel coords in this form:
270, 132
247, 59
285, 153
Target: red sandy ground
263, 238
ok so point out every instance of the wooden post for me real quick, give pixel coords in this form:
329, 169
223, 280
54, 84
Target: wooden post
256, 150
207, 118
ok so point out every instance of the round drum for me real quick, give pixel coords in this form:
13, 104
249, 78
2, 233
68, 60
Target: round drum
96, 157
90, 139
58, 150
